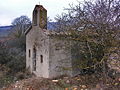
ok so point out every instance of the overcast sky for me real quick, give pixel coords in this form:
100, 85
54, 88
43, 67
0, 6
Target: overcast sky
11, 9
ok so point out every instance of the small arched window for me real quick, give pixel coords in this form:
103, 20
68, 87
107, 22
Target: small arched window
41, 58
29, 53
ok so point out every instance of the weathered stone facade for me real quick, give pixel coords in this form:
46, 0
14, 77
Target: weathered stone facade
47, 55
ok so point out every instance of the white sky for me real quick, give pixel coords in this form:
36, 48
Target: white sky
11, 9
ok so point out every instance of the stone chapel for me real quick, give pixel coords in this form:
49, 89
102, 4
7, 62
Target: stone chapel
46, 54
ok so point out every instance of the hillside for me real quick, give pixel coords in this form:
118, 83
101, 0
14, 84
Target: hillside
4, 31
87, 82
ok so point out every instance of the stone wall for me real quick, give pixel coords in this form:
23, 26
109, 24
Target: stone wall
60, 57
114, 61
37, 39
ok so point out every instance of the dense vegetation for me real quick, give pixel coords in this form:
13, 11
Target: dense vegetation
95, 26
12, 52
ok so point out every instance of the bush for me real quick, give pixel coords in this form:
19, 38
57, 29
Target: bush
14, 59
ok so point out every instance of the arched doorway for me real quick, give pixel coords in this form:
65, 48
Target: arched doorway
34, 58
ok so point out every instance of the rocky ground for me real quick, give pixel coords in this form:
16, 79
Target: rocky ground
87, 82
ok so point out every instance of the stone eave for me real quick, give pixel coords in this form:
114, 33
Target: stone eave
28, 30
49, 32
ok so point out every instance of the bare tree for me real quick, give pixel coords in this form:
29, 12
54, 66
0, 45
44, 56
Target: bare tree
97, 24
20, 25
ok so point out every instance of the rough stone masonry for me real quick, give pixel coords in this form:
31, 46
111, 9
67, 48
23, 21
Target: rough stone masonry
47, 55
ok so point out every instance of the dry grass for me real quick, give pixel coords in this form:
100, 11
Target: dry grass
86, 82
